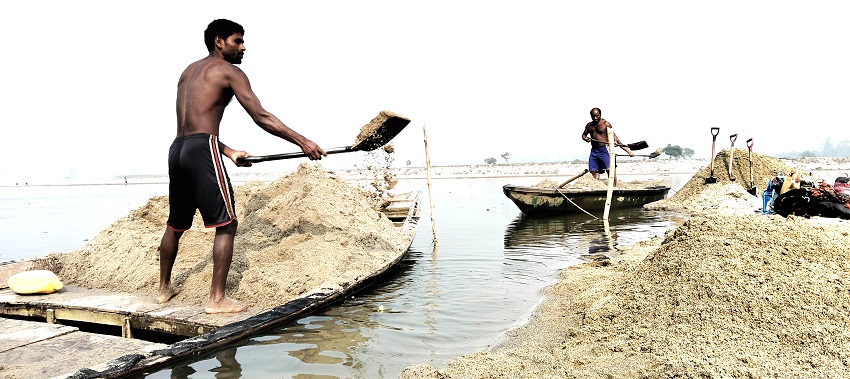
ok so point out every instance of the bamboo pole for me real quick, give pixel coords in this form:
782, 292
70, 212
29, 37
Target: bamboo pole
612, 172
430, 192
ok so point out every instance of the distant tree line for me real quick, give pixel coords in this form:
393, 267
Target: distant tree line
676, 151
506, 155
828, 149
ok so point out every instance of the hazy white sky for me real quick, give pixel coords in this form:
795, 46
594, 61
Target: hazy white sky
89, 86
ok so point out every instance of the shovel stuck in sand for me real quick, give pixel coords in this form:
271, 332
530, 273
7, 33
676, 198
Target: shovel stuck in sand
732, 151
378, 132
711, 178
752, 190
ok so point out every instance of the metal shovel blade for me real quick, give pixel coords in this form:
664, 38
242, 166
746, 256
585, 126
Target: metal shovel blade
637, 145
380, 131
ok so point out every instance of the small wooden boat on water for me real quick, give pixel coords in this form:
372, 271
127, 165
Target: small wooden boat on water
539, 201
95, 333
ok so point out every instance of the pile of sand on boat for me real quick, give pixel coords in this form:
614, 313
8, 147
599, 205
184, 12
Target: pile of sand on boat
730, 293
587, 182
306, 231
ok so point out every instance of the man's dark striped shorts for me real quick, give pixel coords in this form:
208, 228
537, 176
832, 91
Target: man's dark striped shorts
198, 180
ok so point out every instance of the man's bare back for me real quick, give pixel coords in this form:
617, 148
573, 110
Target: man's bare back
202, 95
208, 85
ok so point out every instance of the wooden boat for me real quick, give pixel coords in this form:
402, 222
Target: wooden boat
535, 201
82, 332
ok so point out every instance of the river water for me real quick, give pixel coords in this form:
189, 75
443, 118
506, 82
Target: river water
484, 276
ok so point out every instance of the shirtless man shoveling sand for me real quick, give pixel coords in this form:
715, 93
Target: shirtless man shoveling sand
197, 177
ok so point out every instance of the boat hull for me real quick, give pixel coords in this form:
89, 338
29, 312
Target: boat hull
535, 201
112, 356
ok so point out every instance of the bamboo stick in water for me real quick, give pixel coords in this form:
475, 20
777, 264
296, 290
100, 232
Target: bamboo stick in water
430, 194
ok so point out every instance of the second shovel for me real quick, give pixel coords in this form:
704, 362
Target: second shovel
711, 178
752, 190
732, 150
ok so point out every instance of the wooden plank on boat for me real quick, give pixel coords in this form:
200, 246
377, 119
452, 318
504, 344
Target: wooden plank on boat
399, 206
39, 350
20, 333
108, 308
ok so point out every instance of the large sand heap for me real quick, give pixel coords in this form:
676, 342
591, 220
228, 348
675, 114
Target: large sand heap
306, 231
728, 294
697, 197
764, 169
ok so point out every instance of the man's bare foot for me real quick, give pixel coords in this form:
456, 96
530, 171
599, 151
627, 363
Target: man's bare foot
225, 305
166, 294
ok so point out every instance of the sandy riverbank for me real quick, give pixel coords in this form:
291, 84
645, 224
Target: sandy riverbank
731, 293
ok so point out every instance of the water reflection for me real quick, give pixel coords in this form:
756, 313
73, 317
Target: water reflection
324, 345
579, 236
229, 367
434, 291
602, 243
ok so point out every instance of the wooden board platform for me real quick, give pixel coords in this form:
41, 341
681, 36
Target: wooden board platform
124, 310
37, 350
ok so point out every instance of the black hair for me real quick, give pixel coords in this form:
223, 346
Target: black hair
220, 28
596, 109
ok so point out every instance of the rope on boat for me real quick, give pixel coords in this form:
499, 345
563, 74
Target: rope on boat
576, 205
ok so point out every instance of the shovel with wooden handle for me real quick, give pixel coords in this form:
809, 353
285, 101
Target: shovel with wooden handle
731, 151
568, 181
373, 135
752, 190
711, 179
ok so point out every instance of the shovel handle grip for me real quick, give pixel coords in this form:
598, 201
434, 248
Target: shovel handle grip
274, 157
750, 144
733, 137
714, 131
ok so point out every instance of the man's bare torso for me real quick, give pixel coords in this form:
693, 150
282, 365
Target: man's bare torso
202, 94
598, 132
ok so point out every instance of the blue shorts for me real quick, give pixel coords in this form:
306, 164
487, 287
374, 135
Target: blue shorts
197, 180
599, 159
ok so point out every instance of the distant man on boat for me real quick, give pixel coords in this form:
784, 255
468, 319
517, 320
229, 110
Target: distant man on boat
596, 132
197, 177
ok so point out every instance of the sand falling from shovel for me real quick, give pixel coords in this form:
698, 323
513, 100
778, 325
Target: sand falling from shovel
371, 130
